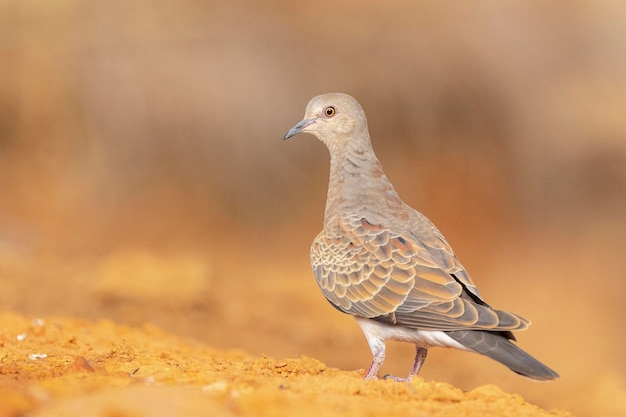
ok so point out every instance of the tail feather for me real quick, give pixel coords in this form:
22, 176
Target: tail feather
498, 347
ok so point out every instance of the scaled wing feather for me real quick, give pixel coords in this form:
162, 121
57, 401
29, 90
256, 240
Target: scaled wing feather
368, 270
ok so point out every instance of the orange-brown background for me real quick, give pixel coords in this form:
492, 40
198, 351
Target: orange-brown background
143, 177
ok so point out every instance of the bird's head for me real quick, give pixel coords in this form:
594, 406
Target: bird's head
335, 118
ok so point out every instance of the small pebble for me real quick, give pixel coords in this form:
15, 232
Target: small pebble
35, 356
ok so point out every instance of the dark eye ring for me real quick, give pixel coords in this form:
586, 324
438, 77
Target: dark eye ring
330, 111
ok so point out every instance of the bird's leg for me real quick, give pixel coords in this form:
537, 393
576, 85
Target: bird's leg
420, 357
377, 346
372, 372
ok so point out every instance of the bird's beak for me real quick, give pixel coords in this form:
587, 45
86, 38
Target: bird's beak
299, 128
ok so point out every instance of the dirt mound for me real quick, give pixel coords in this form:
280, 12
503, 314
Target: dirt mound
62, 366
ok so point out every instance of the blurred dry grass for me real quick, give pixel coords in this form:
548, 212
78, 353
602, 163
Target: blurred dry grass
142, 127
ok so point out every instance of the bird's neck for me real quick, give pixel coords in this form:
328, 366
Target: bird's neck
357, 184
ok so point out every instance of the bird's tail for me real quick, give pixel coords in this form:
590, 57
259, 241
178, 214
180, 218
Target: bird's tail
497, 346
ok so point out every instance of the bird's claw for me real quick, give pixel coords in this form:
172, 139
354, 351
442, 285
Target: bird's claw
396, 378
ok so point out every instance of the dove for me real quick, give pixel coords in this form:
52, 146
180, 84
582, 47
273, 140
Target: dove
388, 265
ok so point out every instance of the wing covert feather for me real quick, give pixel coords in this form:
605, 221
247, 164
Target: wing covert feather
368, 270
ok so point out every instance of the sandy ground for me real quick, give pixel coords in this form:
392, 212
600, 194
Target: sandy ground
55, 366
139, 331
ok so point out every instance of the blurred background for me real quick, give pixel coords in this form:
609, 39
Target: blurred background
143, 176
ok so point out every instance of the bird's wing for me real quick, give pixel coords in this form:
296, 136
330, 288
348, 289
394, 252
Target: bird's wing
368, 270
433, 241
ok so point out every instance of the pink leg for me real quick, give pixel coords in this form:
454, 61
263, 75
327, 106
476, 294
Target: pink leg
420, 357
379, 358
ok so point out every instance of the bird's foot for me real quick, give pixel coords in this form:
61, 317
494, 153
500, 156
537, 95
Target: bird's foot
397, 378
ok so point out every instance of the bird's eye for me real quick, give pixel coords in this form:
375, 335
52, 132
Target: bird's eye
329, 111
